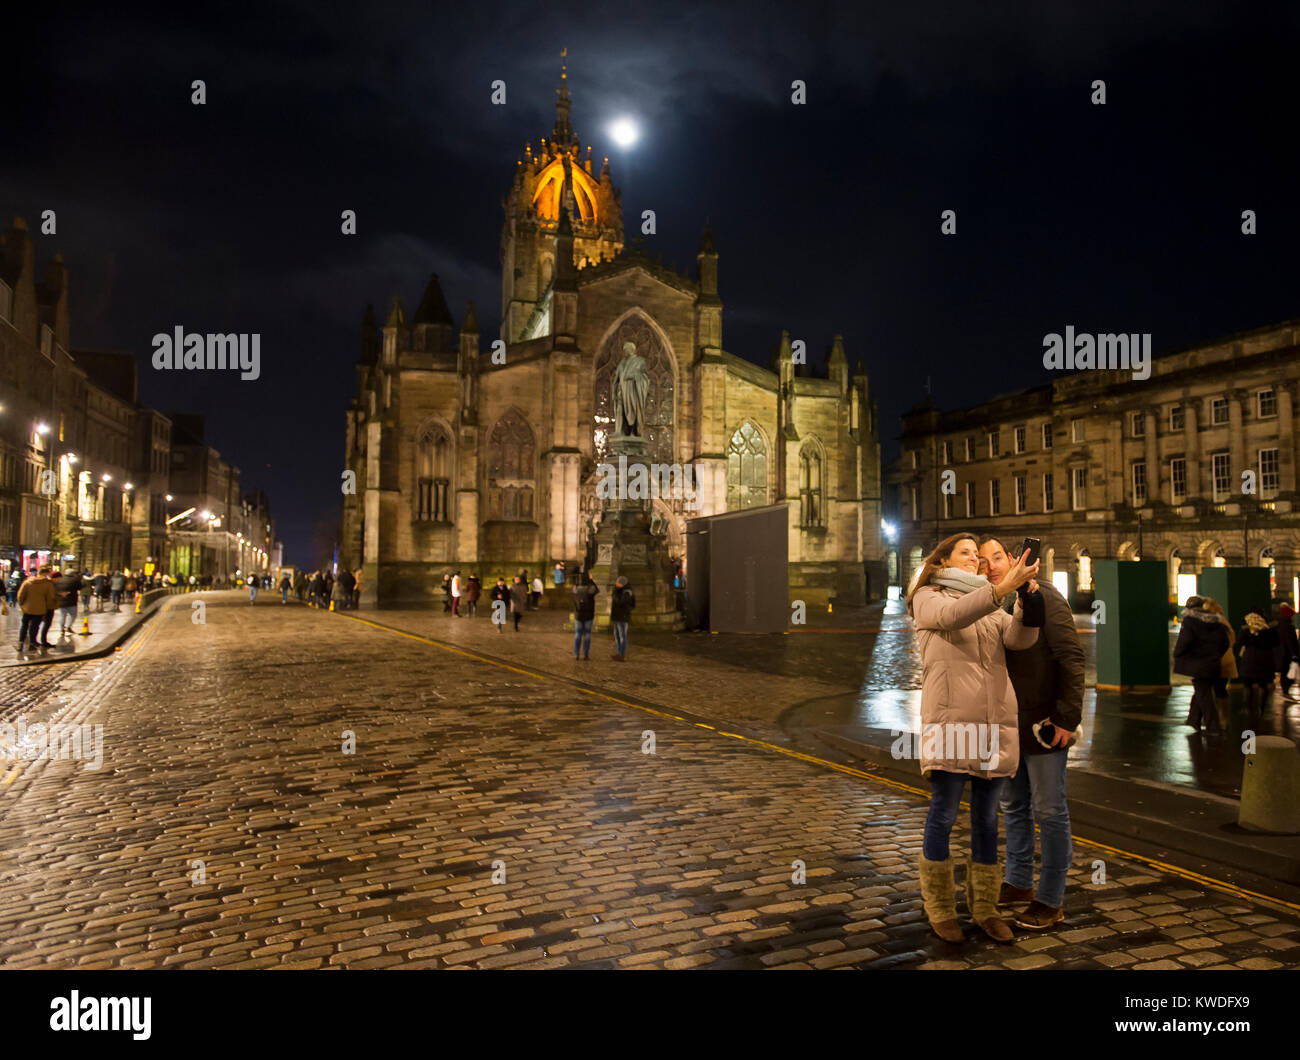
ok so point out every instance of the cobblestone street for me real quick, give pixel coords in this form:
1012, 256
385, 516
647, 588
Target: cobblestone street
491, 816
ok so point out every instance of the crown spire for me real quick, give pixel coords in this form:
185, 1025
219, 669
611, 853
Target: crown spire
563, 132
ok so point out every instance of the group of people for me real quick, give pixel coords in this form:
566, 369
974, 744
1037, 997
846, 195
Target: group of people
49, 590
1001, 698
509, 601
1210, 654
321, 588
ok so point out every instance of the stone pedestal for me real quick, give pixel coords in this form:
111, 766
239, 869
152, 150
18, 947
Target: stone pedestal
626, 548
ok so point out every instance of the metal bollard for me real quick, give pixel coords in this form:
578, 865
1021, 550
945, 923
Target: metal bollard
1270, 788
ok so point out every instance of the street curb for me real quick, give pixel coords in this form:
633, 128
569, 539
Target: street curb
1229, 851
106, 647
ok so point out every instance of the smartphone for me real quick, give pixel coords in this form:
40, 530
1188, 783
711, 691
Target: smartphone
1029, 551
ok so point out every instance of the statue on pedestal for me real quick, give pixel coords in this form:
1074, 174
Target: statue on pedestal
631, 389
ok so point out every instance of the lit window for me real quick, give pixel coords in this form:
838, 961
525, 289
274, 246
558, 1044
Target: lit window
1222, 476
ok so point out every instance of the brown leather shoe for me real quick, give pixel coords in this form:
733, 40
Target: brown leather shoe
1011, 898
1039, 917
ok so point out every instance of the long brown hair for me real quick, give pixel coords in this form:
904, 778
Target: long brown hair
933, 562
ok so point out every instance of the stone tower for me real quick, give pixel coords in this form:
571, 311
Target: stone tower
556, 177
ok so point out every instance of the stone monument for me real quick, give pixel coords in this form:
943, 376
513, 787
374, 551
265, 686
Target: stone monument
624, 544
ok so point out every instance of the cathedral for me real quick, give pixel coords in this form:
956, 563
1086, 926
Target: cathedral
488, 459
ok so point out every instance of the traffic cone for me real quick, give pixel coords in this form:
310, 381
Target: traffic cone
331, 605
85, 626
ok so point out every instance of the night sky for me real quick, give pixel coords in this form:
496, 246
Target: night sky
226, 217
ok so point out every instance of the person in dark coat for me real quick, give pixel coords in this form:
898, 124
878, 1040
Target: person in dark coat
620, 614
317, 589
348, 582
1048, 681
68, 587
1198, 654
1287, 650
518, 599
1257, 644
584, 614
500, 595
473, 590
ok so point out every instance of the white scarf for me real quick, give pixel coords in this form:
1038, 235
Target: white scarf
956, 578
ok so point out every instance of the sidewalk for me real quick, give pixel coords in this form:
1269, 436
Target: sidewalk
106, 629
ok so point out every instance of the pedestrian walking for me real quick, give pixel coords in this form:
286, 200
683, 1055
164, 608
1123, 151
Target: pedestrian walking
348, 582
1198, 654
473, 590
584, 614
536, 595
1048, 681
36, 597
518, 599
557, 575
69, 589
317, 589
130, 585
963, 635
1257, 644
87, 586
47, 623
500, 597
101, 590
1288, 652
620, 614
15, 580
455, 595
117, 586
254, 583
286, 583
1227, 664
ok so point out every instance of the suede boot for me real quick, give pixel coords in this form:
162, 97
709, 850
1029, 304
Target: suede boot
939, 893
985, 881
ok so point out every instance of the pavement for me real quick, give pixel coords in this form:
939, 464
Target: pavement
282, 787
106, 629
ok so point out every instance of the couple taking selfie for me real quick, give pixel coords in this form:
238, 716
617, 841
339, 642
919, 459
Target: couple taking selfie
1002, 660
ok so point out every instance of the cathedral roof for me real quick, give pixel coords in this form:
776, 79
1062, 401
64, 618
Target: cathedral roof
634, 256
433, 306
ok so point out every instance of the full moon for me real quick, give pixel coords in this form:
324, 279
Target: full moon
624, 132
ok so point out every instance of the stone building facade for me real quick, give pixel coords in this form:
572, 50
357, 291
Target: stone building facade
487, 459
1104, 466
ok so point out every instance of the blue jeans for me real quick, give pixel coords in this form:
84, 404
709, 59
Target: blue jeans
582, 636
252, 593
945, 797
1037, 793
620, 637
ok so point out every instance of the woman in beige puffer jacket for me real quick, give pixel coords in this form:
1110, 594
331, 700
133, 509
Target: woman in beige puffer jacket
969, 721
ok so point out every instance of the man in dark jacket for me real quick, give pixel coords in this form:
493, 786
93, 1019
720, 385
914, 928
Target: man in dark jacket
348, 582
1048, 682
584, 614
1198, 654
620, 613
500, 596
69, 588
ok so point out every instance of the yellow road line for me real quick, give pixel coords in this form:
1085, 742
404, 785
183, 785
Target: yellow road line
1187, 874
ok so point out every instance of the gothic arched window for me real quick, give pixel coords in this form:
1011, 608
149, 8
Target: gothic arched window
510, 469
812, 497
746, 469
433, 475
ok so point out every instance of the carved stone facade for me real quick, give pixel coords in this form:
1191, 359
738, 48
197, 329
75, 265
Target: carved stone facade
487, 459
